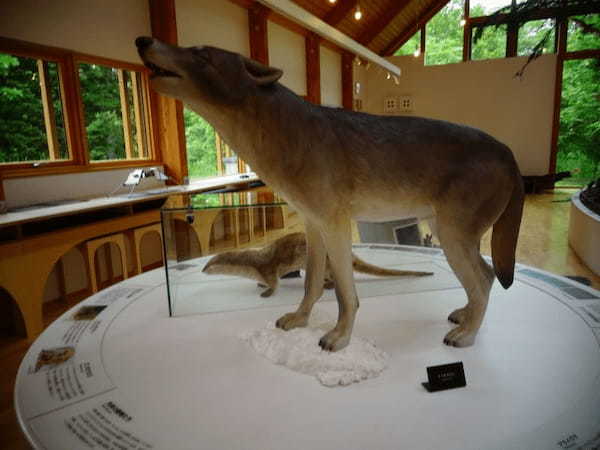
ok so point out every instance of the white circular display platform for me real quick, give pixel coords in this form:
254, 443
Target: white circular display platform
116, 372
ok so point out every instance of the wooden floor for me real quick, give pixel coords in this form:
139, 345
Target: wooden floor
542, 243
543, 240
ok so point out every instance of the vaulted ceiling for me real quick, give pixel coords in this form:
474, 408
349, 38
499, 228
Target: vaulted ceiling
385, 24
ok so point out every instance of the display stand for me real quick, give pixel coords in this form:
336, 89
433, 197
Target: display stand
139, 379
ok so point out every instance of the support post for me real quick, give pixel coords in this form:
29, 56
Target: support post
313, 69
167, 112
347, 80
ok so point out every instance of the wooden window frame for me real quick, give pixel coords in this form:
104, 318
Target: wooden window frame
76, 135
120, 66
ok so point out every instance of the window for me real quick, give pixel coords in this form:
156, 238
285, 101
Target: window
491, 44
578, 149
478, 8
32, 113
115, 112
201, 146
444, 35
207, 154
532, 33
410, 47
579, 38
66, 112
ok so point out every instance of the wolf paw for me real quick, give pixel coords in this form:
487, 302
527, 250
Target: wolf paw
292, 320
334, 340
458, 316
460, 337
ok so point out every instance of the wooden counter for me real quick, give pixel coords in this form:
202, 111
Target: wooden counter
32, 240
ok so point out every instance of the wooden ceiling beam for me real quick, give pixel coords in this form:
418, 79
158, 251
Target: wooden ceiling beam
341, 10
367, 36
311, 22
289, 24
431, 11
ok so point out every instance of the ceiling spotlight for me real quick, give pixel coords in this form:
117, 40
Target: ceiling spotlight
332, 1
357, 12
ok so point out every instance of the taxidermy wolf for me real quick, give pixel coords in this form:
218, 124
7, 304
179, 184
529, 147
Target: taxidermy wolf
333, 166
281, 257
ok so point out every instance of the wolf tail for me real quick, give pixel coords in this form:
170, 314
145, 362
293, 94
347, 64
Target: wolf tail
505, 234
364, 267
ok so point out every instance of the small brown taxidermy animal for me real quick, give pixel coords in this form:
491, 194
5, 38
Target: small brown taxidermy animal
334, 166
282, 256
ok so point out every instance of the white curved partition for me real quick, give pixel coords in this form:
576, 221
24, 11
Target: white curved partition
127, 376
584, 233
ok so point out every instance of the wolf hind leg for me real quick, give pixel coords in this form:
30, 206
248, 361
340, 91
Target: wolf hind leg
475, 275
339, 250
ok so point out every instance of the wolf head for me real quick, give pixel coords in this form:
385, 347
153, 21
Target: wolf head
203, 74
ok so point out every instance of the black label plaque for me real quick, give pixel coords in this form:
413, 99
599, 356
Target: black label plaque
446, 376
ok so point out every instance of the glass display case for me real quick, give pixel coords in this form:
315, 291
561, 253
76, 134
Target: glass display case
211, 225
236, 226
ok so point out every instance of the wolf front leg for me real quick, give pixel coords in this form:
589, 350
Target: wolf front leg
313, 283
339, 249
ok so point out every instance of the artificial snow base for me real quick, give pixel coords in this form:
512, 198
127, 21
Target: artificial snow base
299, 350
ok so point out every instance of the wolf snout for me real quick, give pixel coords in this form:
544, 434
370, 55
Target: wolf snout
143, 42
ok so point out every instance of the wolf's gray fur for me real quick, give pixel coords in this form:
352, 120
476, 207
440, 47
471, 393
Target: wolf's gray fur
333, 166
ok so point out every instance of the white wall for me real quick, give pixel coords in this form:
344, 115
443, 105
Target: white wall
287, 51
331, 77
103, 28
483, 94
217, 23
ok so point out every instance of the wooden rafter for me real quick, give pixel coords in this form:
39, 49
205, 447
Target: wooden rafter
49, 113
433, 9
337, 14
367, 36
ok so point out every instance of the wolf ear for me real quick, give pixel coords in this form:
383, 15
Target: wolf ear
262, 75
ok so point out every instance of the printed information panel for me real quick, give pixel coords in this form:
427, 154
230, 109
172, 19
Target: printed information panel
64, 365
